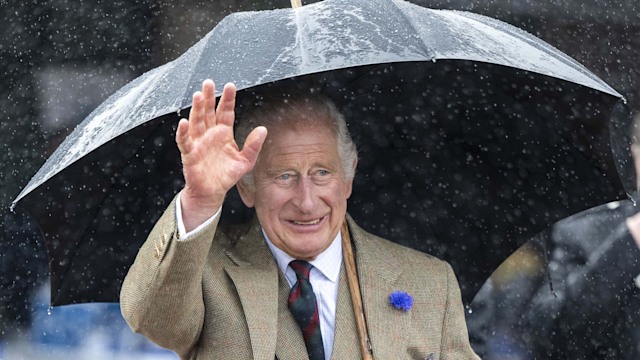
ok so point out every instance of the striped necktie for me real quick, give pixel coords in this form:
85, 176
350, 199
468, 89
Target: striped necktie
303, 306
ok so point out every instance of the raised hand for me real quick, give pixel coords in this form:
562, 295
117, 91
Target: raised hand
212, 163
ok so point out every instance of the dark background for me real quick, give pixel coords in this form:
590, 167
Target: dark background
59, 59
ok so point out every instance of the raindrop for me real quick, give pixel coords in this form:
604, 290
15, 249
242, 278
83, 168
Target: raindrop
49, 310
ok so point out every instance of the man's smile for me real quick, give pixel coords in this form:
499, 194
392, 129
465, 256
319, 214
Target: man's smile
307, 222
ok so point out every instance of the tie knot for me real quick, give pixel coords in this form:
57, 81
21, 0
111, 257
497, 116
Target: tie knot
301, 268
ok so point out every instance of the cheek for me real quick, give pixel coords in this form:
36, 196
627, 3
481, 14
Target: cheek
337, 198
273, 199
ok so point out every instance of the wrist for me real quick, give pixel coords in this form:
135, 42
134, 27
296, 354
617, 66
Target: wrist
196, 210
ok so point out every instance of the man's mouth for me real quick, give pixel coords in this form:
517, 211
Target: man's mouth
310, 222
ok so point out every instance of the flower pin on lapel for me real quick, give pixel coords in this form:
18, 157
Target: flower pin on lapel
401, 300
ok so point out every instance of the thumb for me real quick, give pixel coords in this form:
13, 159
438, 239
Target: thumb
253, 144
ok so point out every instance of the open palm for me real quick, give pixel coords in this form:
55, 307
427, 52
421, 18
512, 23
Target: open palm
212, 163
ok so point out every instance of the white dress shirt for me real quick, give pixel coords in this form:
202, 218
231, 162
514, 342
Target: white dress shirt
324, 276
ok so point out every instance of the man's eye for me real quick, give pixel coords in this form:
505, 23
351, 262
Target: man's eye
285, 177
322, 175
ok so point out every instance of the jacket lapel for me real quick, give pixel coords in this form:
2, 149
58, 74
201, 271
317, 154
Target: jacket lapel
290, 344
255, 275
378, 273
346, 342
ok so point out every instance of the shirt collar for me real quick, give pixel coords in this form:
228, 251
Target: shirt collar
328, 262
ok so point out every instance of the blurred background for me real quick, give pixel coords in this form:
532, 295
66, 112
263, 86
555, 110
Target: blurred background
60, 59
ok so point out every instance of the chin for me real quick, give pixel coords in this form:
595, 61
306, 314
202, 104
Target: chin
308, 254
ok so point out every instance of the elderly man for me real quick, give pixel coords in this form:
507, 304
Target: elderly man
276, 287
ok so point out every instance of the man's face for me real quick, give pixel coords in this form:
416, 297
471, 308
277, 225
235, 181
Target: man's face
300, 192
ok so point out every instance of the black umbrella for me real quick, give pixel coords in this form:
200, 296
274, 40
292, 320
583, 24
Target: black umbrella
472, 135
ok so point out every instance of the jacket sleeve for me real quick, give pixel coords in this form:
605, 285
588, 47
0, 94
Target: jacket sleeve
455, 337
161, 296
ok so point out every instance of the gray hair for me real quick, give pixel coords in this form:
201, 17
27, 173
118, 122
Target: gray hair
274, 112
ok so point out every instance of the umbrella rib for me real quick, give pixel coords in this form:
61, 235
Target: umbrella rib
201, 50
429, 55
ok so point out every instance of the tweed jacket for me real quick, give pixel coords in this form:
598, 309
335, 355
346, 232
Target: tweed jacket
220, 295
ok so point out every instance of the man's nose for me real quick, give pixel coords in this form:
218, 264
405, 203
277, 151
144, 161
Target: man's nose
305, 198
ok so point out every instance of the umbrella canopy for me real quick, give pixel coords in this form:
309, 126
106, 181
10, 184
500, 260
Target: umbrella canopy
472, 133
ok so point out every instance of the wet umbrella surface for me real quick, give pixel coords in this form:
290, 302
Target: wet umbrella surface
473, 135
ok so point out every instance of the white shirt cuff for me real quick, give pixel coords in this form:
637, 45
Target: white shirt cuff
182, 231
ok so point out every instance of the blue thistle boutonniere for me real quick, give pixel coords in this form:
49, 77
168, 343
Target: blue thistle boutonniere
401, 300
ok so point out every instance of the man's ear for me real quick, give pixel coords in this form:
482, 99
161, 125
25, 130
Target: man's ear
247, 194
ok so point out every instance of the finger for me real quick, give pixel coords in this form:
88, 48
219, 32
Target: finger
197, 126
253, 144
225, 114
209, 92
182, 137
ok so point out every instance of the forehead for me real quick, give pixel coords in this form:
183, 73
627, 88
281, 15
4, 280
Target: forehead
283, 130
308, 140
